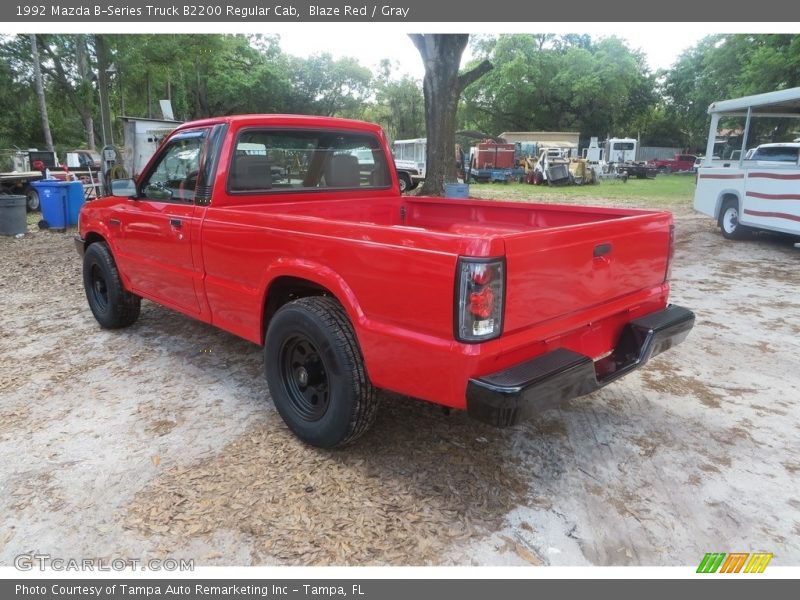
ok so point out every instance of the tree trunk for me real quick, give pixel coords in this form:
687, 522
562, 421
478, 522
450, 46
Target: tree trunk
86, 91
37, 74
102, 84
442, 87
79, 90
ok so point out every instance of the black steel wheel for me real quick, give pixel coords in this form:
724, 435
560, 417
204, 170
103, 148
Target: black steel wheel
316, 375
112, 305
303, 370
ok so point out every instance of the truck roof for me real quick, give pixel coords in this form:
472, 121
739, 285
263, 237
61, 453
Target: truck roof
780, 145
284, 120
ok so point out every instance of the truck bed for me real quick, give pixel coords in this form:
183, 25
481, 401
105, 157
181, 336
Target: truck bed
458, 217
561, 259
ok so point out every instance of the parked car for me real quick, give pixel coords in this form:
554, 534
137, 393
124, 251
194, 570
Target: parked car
680, 162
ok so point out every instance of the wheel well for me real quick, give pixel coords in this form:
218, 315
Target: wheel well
285, 289
93, 237
723, 200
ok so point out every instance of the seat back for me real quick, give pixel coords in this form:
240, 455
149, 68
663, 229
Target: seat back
250, 172
342, 170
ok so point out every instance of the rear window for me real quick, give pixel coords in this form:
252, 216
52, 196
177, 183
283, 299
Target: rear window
777, 154
288, 160
623, 146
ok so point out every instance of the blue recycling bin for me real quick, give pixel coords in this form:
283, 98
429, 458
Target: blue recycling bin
60, 201
456, 190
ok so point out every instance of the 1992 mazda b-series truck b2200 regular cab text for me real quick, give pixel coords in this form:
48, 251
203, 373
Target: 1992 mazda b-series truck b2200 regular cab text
269, 227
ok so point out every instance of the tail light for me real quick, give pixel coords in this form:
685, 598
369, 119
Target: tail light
480, 296
671, 253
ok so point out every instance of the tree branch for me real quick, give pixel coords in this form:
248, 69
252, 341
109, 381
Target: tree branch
465, 79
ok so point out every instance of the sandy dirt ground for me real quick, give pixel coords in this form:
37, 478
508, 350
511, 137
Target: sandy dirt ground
161, 440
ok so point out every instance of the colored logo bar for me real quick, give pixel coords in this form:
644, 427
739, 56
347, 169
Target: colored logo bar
734, 562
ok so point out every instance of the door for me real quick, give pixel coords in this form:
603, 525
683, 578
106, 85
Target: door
157, 226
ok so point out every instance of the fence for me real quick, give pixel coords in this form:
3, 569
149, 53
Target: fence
655, 152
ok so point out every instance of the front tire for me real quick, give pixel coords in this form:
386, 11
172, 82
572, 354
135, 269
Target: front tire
112, 305
316, 375
729, 221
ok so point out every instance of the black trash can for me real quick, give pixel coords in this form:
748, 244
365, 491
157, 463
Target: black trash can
13, 218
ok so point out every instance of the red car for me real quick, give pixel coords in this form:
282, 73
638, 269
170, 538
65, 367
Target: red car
272, 228
680, 162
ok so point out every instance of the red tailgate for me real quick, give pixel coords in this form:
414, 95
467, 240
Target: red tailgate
566, 270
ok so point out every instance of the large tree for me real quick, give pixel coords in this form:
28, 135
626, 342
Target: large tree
559, 83
442, 87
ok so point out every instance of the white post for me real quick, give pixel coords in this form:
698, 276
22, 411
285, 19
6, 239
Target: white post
712, 135
745, 135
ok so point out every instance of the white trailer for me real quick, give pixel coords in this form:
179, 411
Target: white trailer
142, 139
757, 193
412, 150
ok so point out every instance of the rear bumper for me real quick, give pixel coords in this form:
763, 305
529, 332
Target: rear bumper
511, 395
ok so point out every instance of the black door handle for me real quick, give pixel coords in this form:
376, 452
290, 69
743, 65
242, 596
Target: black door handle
114, 222
176, 223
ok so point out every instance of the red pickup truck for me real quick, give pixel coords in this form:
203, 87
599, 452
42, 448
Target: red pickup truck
269, 227
680, 162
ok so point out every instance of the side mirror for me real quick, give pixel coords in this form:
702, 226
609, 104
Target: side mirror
158, 191
124, 188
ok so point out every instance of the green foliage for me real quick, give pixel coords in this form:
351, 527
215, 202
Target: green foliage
558, 83
539, 82
729, 66
399, 106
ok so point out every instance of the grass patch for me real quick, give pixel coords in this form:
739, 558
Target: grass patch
667, 191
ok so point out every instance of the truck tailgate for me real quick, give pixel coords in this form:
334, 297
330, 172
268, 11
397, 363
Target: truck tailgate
562, 271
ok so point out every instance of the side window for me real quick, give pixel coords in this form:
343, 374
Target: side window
777, 154
174, 177
295, 160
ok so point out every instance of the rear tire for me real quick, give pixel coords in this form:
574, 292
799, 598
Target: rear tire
112, 305
32, 201
405, 182
316, 375
729, 221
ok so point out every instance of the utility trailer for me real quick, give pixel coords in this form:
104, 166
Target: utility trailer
17, 172
757, 193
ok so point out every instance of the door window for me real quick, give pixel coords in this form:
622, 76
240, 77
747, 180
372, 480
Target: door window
174, 177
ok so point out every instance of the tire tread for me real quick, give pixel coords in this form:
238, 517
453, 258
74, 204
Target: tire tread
125, 306
332, 316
